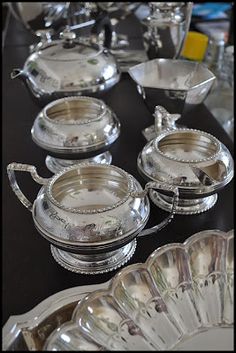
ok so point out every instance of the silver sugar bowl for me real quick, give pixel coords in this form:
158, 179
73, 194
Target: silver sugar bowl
73, 129
91, 214
192, 160
68, 67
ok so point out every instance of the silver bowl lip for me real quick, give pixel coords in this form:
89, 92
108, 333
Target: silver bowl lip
102, 105
199, 236
211, 78
125, 175
215, 141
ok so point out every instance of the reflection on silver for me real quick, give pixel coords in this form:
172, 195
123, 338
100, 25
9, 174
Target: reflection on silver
167, 25
75, 128
192, 160
68, 67
92, 213
176, 85
181, 298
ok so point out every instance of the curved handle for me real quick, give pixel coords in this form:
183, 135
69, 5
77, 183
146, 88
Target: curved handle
11, 168
168, 219
16, 73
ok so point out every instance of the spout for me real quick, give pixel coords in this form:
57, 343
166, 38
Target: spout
18, 73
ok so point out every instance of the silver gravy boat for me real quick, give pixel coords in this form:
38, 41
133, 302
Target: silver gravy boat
176, 85
192, 160
91, 214
75, 129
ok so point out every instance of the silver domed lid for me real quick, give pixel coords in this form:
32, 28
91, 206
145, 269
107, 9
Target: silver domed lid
193, 160
69, 67
75, 125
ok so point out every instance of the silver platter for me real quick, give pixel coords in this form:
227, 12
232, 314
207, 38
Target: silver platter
181, 298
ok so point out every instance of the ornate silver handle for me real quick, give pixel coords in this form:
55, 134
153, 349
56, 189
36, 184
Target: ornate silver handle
164, 120
11, 168
168, 219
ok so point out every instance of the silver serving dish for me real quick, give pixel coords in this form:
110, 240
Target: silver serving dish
181, 298
192, 160
72, 129
91, 213
68, 67
176, 85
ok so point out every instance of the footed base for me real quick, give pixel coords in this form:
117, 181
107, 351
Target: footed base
56, 165
185, 206
94, 264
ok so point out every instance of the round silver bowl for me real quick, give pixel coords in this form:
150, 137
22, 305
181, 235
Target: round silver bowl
75, 129
91, 214
192, 160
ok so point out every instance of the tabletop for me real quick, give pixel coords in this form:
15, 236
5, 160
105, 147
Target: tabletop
30, 273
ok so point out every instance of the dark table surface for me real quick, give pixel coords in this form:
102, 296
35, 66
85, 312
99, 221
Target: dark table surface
30, 274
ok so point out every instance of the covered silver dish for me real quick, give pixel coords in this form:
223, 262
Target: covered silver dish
75, 128
68, 67
192, 160
91, 213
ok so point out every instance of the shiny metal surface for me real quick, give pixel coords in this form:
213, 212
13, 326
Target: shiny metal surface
90, 209
56, 165
68, 67
38, 15
180, 298
75, 125
166, 27
176, 85
194, 161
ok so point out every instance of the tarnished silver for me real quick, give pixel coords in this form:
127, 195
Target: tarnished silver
176, 85
167, 25
181, 298
192, 160
68, 67
90, 212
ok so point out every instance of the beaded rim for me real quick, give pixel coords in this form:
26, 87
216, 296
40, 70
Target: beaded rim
102, 105
128, 178
123, 261
215, 141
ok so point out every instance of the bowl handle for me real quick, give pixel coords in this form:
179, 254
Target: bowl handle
164, 187
11, 168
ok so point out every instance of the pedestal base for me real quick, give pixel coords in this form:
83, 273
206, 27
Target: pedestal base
185, 206
55, 165
94, 264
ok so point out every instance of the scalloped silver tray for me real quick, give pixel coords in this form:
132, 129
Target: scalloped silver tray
181, 298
